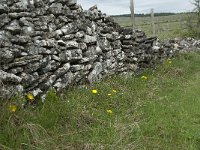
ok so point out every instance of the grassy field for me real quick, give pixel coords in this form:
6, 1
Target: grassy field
166, 26
158, 109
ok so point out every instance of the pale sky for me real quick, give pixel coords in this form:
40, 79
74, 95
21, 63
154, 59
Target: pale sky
114, 7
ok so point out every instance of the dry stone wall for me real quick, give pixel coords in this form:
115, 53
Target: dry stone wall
55, 43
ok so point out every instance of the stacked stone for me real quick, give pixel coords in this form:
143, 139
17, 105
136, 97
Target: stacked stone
35, 48
169, 48
138, 49
55, 43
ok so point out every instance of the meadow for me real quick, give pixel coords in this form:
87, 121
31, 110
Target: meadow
158, 109
167, 27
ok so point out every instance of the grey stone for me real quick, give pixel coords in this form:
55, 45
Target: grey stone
63, 70
76, 55
82, 46
92, 52
57, 44
32, 67
14, 27
116, 51
9, 77
59, 32
90, 39
80, 34
121, 56
25, 21
20, 6
36, 92
50, 81
56, 8
21, 39
61, 43
56, 58
68, 37
95, 74
65, 56
84, 60
72, 2
8, 91
75, 68
16, 70
46, 43
5, 39
28, 30
104, 44
4, 20
23, 61
6, 55
72, 44
64, 82
3, 8
87, 67
69, 28
20, 15
52, 65
93, 8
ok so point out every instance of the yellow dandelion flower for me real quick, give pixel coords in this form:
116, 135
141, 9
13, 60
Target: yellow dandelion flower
109, 94
168, 59
109, 111
94, 91
169, 62
12, 108
144, 77
30, 97
114, 91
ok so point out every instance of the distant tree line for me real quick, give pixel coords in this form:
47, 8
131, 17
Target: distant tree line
144, 15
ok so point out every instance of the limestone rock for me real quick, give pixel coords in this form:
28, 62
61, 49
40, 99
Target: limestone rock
90, 39
4, 20
14, 27
8, 77
6, 56
95, 74
3, 8
56, 8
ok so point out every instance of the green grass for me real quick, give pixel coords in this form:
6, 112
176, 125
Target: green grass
167, 27
159, 113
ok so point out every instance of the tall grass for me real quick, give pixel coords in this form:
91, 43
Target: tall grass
160, 111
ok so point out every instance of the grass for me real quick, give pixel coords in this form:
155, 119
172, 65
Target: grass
167, 27
157, 112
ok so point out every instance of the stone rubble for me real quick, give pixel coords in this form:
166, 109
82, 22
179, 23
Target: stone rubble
48, 43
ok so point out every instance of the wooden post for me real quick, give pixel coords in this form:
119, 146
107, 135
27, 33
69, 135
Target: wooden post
158, 26
153, 22
132, 14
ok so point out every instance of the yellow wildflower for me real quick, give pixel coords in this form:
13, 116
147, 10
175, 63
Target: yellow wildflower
109, 94
12, 108
169, 61
109, 111
94, 91
114, 91
30, 97
144, 77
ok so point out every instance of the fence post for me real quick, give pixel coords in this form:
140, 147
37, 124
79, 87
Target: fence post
132, 14
153, 22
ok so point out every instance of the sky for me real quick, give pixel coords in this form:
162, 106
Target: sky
116, 7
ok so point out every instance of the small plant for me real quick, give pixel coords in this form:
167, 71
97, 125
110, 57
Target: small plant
118, 113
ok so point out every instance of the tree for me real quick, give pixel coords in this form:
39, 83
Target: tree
196, 3
192, 21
